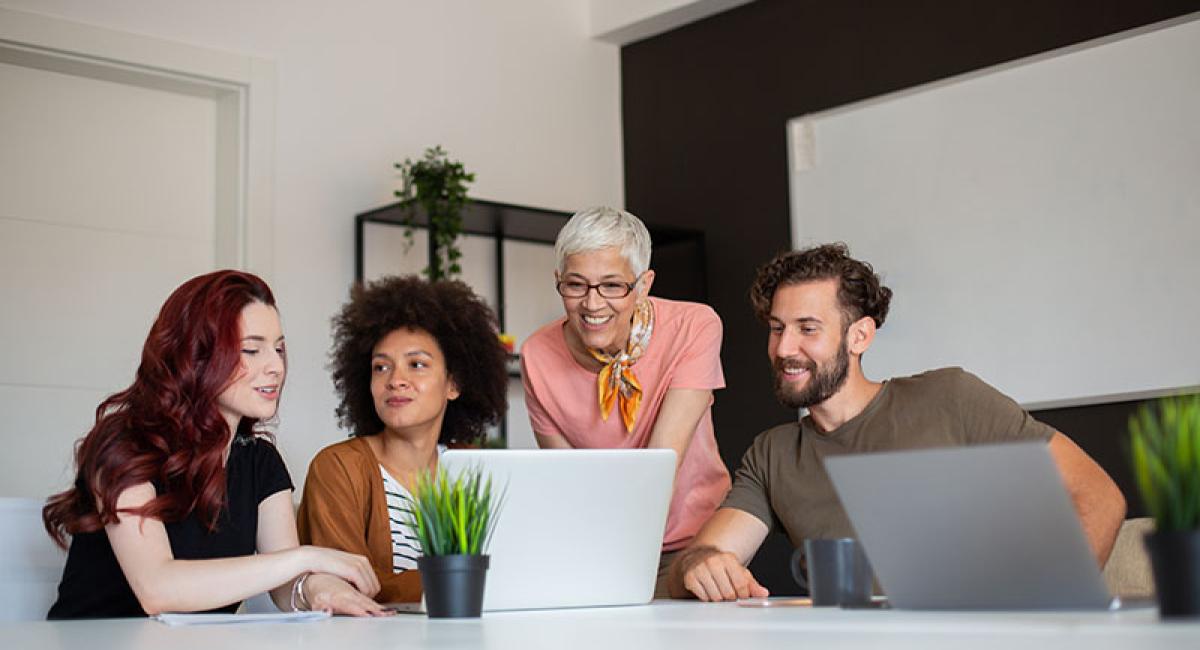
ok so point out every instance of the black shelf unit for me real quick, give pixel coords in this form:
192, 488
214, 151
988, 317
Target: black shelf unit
678, 254
499, 220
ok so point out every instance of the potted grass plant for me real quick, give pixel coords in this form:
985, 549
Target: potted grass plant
453, 518
1165, 449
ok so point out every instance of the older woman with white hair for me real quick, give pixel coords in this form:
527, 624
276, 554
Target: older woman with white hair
623, 369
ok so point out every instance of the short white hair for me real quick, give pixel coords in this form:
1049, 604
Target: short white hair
602, 227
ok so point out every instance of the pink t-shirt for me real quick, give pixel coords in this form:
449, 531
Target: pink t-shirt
684, 352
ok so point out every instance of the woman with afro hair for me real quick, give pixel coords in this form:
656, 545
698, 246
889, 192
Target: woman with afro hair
417, 367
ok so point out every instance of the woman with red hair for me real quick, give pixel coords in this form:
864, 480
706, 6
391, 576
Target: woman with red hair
179, 504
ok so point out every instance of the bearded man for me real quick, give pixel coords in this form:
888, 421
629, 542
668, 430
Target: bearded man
822, 308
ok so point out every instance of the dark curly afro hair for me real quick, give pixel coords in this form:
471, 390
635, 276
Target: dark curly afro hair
860, 291
465, 329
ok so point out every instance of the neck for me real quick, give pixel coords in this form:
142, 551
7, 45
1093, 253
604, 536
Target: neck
232, 421
582, 354
404, 454
848, 402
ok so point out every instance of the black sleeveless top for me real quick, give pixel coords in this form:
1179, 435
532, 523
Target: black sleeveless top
93, 585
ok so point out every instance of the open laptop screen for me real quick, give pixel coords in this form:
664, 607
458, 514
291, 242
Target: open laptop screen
979, 527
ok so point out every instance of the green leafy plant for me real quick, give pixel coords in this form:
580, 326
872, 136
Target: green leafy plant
439, 186
454, 515
1165, 446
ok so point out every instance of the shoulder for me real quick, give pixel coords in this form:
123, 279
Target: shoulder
689, 312
769, 448
259, 468
688, 324
259, 448
545, 337
952, 389
343, 455
344, 470
546, 349
258, 444
941, 379
772, 440
136, 496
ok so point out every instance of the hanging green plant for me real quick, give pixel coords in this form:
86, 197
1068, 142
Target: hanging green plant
438, 186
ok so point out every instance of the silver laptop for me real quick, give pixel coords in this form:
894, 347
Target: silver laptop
579, 528
980, 527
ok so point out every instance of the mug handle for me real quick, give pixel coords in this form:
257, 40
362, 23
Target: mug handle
797, 573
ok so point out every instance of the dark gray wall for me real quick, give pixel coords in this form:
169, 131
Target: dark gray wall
705, 108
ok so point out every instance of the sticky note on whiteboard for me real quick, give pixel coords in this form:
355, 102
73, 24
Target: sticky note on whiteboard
804, 145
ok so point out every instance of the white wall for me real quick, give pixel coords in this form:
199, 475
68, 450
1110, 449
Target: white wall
514, 89
1039, 222
625, 21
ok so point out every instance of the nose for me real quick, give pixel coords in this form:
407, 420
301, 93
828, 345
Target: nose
592, 299
396, 381
785, 344
277, 365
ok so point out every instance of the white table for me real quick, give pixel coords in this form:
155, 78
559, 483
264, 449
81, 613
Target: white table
688, 625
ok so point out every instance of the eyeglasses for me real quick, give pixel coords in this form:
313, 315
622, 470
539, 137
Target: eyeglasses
580, 289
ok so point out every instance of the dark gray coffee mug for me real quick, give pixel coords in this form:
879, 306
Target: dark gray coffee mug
838, 572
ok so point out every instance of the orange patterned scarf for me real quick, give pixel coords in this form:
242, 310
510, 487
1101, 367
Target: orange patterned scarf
617, 383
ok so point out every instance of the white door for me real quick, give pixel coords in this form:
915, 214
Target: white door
106, 204
120, 177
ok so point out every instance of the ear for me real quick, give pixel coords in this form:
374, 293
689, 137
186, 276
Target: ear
644, 285
451, 389
860, 335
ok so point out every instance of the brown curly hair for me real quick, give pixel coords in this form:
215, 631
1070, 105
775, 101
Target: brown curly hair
464, 328
860, 292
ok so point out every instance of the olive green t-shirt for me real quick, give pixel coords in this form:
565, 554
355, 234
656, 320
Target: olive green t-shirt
782, 478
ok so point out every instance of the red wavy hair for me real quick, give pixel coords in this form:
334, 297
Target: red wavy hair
166, 427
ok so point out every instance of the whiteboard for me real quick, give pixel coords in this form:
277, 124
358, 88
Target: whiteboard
1039, 222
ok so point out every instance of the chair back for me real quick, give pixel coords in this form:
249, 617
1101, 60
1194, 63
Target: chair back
31, 564
1127, 572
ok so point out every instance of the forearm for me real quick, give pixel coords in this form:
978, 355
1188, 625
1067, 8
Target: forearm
679, 444
197, 585
1098, 501
1101, 513
678, 418
714, 566
552, 441
282, 595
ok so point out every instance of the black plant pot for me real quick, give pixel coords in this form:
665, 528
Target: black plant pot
453, 584
1175, 558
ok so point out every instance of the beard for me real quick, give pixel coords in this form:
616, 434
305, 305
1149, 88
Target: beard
823, 380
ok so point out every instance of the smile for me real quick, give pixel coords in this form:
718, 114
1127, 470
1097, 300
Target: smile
792, 370
793, 374
596, 320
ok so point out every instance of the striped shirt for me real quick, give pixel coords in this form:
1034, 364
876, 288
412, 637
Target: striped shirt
405, 547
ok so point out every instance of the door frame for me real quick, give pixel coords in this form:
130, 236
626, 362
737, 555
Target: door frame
242, 86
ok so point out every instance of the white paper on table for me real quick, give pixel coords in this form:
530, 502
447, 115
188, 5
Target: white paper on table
228, 619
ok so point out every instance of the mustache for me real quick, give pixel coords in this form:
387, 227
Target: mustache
783, 364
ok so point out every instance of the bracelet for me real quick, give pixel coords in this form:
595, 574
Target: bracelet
299, 600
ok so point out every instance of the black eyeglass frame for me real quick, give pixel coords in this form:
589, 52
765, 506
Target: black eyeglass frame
629, 287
